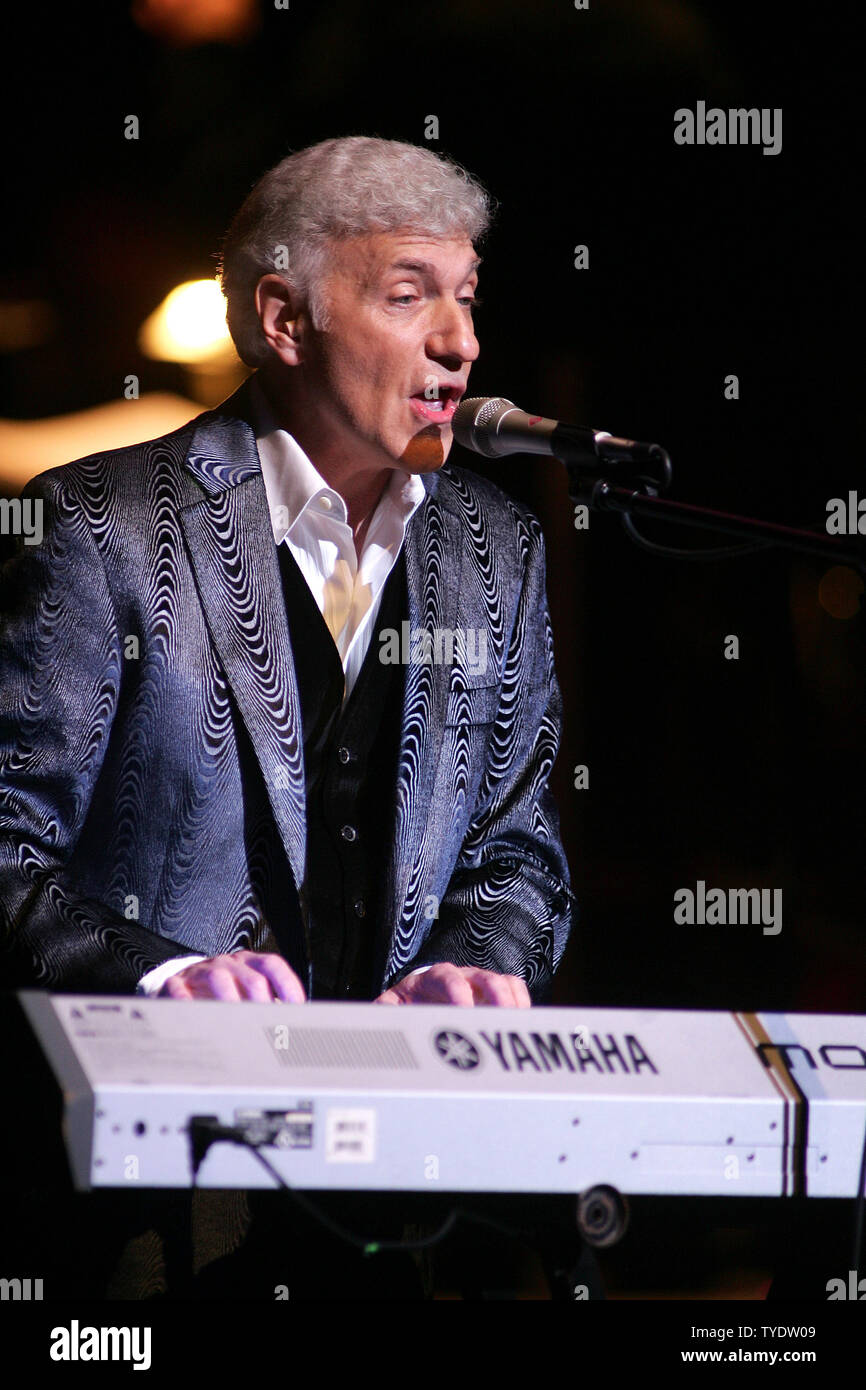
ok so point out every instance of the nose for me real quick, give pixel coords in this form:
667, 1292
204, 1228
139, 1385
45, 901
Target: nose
451, 334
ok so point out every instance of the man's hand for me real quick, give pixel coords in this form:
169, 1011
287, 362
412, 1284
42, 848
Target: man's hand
459, 984
254, 975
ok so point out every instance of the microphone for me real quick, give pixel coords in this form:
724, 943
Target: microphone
493, 426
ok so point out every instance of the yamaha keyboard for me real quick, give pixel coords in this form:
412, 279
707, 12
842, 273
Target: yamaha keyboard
164, 1093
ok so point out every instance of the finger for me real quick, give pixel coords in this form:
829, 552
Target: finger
447, 985
490, 988
211, 981
253, 984
389, 997
522, 997
175, 988
280, 976
508, 991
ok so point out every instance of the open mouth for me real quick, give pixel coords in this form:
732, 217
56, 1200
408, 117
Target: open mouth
439, 409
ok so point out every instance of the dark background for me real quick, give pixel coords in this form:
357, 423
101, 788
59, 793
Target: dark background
703, 262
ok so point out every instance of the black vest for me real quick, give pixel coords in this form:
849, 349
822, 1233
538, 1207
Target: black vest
350, 774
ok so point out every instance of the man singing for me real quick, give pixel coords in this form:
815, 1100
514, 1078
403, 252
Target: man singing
217, 780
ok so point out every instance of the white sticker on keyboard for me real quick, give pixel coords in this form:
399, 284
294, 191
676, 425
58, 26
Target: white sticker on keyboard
350, 1136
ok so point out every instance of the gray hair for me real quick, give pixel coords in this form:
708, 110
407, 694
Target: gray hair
339, 188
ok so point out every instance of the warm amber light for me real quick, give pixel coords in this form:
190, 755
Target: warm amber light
189, 325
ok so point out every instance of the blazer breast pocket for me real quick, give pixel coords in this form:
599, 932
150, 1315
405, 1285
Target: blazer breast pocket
476, 704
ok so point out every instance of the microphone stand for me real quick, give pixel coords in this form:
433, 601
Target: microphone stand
589, 485
643, 476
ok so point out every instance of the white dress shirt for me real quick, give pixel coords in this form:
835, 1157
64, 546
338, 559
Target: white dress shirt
313, 521
311, 518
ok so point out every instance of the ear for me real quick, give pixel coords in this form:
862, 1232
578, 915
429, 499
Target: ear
282, 318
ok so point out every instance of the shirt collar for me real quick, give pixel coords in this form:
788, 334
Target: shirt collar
293, 483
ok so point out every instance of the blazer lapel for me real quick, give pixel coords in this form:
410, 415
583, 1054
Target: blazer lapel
433, 563
231, 546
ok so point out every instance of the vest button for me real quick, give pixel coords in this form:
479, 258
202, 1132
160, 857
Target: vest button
343, 754
361, 908
349, 832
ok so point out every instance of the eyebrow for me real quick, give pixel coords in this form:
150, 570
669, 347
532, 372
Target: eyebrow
428, 268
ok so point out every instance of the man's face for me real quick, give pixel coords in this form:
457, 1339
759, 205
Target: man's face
400, 307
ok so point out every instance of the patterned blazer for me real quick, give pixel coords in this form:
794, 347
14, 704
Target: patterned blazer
151, 757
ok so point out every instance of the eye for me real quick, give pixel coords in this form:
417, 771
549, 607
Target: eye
471, 300
403, 299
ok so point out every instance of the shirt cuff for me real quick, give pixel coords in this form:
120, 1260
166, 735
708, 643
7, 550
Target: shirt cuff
151, 983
